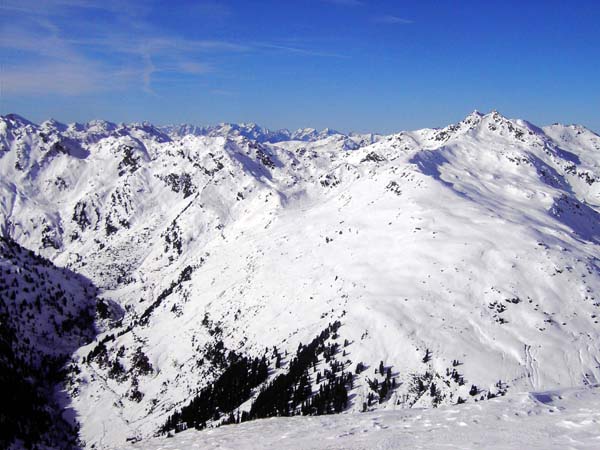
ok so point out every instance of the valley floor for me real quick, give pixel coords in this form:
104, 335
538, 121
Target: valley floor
565, 419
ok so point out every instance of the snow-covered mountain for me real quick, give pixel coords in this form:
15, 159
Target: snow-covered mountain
247, 130
312, 272
257, 133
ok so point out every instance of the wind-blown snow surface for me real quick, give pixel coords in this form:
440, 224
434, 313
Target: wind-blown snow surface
563, 419
476, 244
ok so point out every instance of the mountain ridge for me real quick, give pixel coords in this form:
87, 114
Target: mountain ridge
202, 129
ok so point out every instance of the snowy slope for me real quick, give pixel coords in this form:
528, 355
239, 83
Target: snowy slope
464, 259
561, 419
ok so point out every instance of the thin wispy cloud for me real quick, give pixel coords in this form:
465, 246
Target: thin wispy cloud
59, 46
46, 56
110, 56
149, 69
392, 20
58, 8
298, 50
56, 58
194, 67
60, 78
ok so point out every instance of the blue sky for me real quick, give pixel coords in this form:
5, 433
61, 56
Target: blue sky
347, 64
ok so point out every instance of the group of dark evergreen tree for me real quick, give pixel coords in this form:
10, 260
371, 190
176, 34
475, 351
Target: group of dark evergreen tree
383, 388
288, 394
291, 393
230, 390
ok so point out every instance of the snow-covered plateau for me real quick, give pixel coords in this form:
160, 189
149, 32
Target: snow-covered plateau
187, 277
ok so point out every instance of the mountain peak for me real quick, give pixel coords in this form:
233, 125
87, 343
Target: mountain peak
473, 118
475, 113
104, 125
53, 124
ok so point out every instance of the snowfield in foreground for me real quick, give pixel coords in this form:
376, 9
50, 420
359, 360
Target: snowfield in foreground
562, 419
